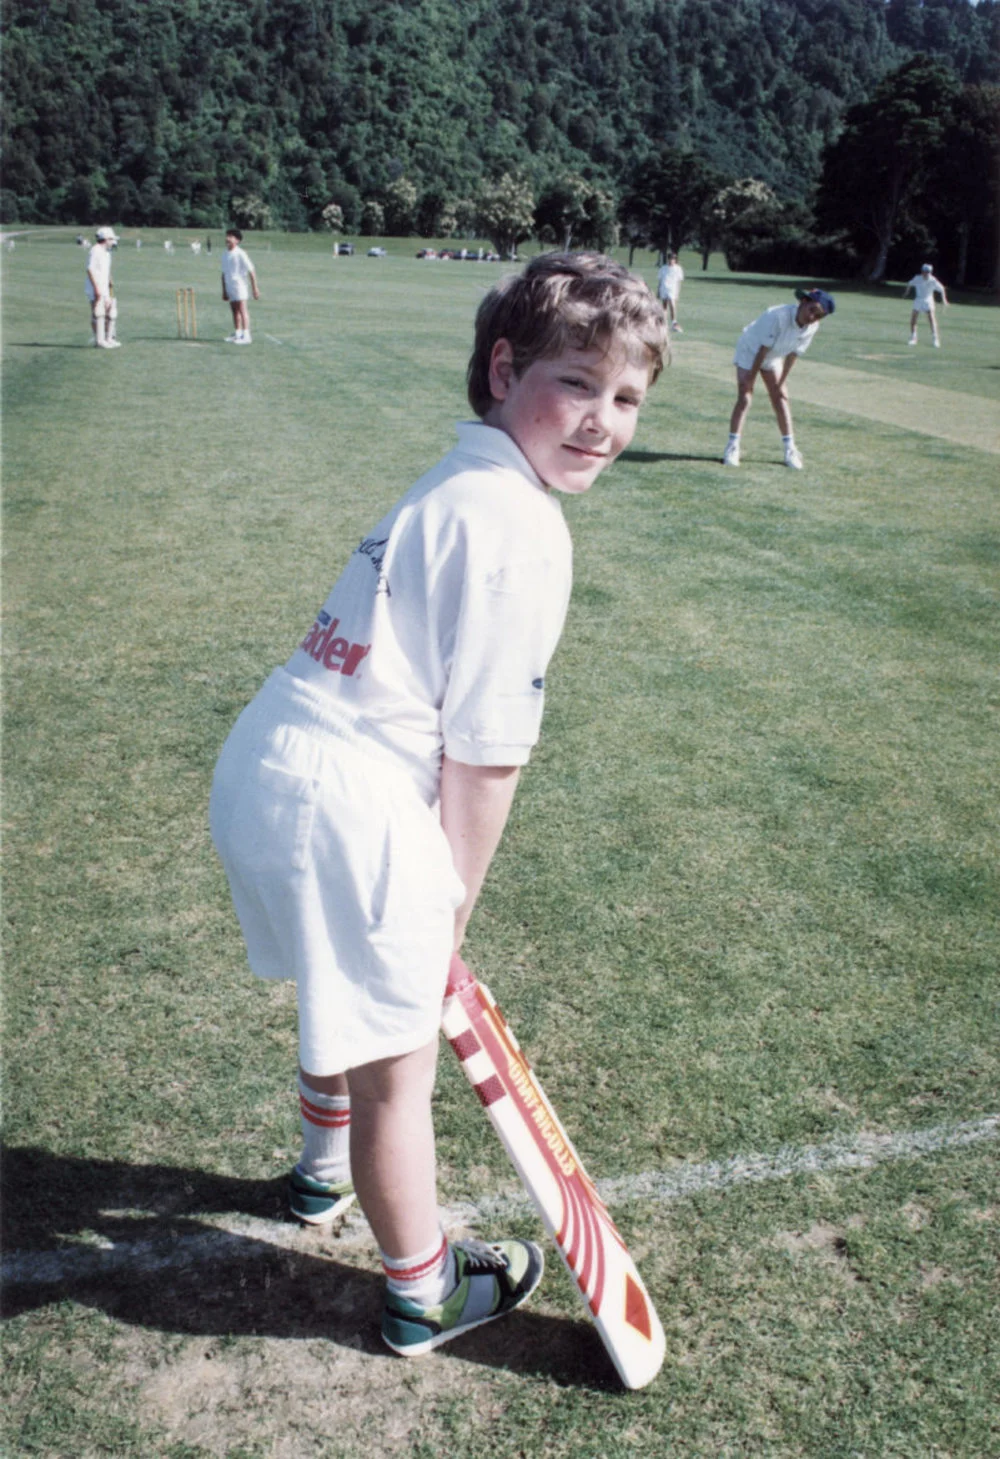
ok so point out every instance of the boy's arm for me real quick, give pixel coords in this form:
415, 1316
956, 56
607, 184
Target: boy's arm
253, 285
786, 369
475, 803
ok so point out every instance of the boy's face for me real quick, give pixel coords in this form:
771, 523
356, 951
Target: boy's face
231, 242
570, 415
809, 312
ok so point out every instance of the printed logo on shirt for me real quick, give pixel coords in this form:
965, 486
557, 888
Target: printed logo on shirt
374, 549
538, 683
334, 653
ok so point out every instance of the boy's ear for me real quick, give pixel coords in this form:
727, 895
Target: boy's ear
501, 369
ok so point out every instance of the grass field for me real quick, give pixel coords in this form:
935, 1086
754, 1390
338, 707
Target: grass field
744, 919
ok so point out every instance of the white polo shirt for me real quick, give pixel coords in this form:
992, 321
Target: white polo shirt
669, 281
777, 329
236, 270
98, 269
438, 633
924, 287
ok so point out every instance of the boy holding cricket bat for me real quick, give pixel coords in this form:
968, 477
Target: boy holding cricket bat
360, 797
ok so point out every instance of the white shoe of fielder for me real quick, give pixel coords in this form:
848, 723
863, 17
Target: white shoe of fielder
912, 339
731, 455
792, 458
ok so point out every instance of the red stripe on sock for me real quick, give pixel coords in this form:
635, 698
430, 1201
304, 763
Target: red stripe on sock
328, 1119
423, 1269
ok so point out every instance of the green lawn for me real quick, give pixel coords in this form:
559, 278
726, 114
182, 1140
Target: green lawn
747, 902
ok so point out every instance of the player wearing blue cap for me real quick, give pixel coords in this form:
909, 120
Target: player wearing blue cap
769, 347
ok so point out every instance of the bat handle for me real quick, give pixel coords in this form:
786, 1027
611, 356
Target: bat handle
458, 976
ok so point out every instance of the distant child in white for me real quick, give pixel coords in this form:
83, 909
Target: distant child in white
925, 286
668, 289
238, 282
100, 291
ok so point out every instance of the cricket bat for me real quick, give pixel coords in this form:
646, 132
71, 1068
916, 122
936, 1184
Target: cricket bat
574, 1215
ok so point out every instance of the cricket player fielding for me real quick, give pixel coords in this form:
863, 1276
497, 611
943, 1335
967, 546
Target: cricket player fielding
360, 797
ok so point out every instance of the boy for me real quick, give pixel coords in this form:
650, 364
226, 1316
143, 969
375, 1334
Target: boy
924, 286
668, 288
769, 347
100, 291
359, 799
238, 282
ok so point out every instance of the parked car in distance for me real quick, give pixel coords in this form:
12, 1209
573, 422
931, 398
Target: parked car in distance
427, 253
345, 248
376, 253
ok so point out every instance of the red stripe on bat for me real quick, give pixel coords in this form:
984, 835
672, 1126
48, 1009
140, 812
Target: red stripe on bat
490, 1091
465, 1045
580, 1200
637, 1309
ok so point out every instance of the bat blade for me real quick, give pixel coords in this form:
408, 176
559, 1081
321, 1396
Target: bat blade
573, 1213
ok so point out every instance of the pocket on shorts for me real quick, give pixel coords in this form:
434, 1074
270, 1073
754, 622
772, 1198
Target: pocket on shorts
270, 822
420, 881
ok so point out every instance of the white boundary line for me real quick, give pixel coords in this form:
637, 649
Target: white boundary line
234, 1238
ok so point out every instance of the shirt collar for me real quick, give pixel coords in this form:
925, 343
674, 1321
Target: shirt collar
497, 447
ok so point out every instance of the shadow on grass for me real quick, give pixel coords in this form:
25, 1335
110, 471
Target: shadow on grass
644, 458
127, 1240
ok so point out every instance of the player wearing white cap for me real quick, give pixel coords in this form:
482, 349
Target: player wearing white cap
925, 286
100, 291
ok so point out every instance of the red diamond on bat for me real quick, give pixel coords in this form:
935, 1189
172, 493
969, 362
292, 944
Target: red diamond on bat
637, 1309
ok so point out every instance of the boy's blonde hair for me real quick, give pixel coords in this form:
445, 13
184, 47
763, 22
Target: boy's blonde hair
565, 301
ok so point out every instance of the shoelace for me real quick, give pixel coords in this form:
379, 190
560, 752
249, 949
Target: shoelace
481, 1258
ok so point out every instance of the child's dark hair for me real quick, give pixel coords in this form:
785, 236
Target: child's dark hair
565, 301
235, 233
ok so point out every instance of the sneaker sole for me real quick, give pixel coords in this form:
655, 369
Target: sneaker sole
324, 1218
417, 1350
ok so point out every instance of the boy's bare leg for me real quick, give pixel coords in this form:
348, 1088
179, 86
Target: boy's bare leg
779, 400
392, 1149
744, 395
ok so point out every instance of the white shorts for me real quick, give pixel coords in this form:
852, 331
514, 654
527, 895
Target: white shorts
340, 874
743, 362
238, 293
923, 306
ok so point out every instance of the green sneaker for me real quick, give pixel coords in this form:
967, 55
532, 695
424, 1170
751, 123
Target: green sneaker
314, 1201
492, 1280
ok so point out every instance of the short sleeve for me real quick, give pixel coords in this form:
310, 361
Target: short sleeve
509, 624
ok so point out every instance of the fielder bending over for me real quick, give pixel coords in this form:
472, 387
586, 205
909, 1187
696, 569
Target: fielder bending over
769, 347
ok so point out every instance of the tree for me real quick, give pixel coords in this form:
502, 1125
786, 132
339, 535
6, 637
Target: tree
665, 196
372, 218
506, 213
333, 218
400, 206
249, 211
964, 192
888, 149
561, 211
736, 212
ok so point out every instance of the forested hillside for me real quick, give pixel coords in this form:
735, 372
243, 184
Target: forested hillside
166, 111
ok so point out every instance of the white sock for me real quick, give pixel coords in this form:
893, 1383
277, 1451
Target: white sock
734, 438
326, 1135
427, 1278
788, 442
